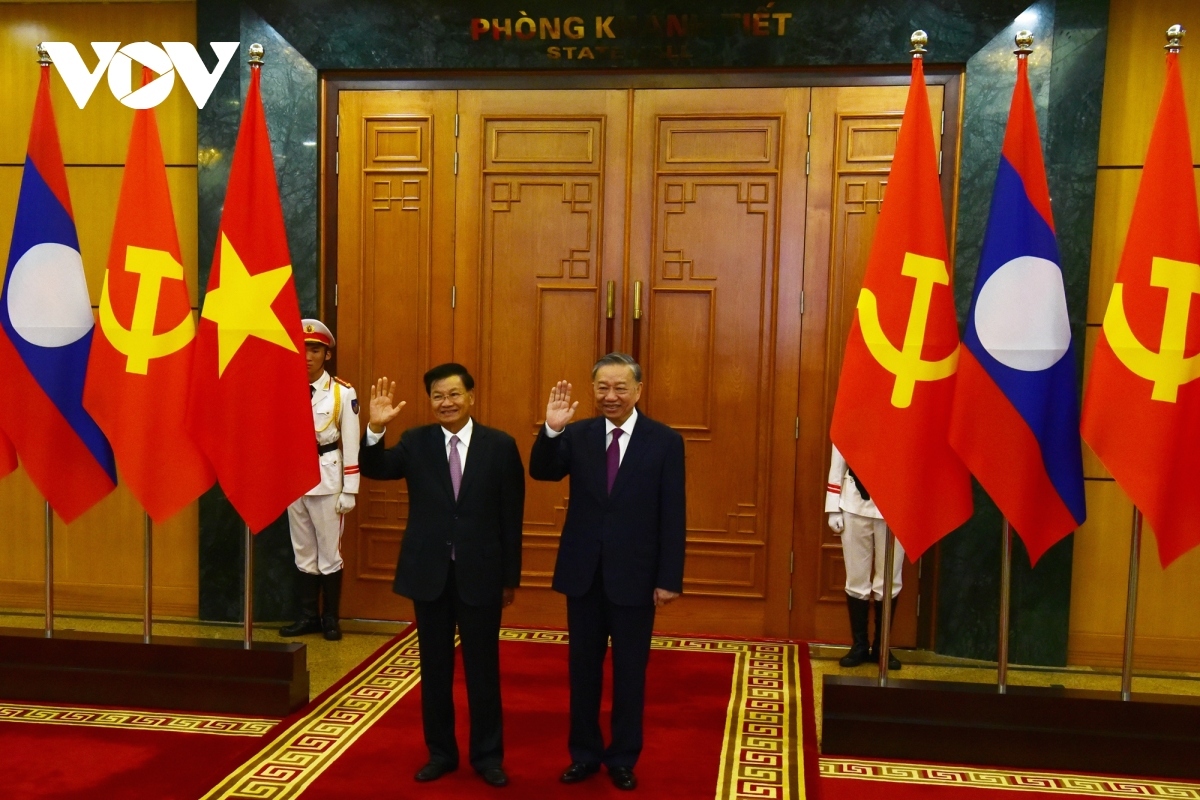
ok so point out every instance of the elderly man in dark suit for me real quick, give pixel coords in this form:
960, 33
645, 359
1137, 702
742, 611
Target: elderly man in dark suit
621, 553
460, 559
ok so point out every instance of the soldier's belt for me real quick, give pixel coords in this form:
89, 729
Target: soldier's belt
322, 449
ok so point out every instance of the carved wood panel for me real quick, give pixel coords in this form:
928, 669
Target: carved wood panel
536, 225
395, 177
706, 227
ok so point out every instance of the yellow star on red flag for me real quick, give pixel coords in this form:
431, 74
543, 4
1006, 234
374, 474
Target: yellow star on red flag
241, 306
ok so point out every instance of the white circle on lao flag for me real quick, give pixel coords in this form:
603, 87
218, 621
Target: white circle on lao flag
48, 296
1021, 315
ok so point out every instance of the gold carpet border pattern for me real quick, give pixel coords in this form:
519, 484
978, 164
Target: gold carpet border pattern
288, 765
759, 757
1007, 780
135, 720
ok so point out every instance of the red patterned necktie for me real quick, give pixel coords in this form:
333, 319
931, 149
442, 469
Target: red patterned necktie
614, 457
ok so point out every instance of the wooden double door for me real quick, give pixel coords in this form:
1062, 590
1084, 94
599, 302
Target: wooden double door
526, 233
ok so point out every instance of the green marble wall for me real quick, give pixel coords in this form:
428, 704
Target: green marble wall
304, 38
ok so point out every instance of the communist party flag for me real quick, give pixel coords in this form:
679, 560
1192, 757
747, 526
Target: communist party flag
892, 412
1141, 407
249, 407
141, 356
46, 329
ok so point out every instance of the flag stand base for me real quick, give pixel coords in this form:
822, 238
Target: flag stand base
1028, 727
181, 674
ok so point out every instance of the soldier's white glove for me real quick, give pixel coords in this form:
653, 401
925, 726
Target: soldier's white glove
344, 504
837, 523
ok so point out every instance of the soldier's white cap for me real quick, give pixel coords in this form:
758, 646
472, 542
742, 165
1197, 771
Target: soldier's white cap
316, 332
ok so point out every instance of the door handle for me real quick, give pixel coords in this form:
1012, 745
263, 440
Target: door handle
637, 299
612, 300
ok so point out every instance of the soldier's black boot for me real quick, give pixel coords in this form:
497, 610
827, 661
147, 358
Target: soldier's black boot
308, 615
860, 617
332, 586
893, 662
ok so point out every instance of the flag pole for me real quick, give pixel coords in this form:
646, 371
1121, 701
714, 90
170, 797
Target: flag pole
885, 607
49, 571
248, 592
1005, 608
1135, 548
147, 577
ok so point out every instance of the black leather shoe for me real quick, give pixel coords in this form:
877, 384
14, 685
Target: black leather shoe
857, 655
623, 778
333, 631
494, 776
578, 771
432, 771
302, 627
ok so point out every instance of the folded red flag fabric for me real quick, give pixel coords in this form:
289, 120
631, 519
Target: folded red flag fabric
141, 357
892, 413
249, 407
1141, 407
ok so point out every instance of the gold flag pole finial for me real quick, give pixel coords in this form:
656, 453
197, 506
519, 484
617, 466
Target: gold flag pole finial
1175, 35
1024, 40
256, 55
919, 39
43, 55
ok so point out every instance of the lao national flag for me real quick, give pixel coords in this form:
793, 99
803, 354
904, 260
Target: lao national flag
1015, 419
46, 333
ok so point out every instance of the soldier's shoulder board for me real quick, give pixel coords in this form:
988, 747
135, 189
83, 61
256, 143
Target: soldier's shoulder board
344, 383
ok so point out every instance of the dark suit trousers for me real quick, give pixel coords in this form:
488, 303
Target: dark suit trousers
479, 633
591, 620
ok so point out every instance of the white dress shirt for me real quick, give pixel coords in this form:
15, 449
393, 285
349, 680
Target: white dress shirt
609, 427
464, 441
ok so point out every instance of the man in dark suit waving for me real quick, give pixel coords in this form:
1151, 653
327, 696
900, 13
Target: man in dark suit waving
460, 560
621, 553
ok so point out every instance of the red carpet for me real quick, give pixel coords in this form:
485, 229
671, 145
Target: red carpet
60, 752
722, 720
684, 724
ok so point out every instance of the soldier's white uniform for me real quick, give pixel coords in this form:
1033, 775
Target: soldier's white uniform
864, 538
315, 523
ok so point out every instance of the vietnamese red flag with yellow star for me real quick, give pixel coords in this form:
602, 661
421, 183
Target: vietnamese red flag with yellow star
141, 357
249, 407
892, 414
1141, 407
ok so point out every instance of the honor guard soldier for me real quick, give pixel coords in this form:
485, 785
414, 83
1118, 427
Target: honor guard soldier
315, 519
853, 515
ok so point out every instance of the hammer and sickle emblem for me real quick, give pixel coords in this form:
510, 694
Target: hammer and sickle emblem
1168, 369
905, 363
139, 343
